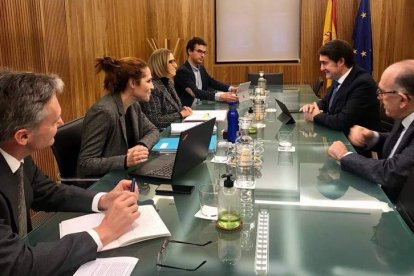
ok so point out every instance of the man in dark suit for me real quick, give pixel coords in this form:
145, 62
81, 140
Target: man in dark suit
351, 98
193, 81
29, 117
396, 92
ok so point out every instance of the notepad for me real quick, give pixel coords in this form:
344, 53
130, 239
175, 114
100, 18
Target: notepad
177, 128
205, 115
170, 145
148, 226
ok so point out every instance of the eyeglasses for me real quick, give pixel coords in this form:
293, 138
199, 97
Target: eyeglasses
381, 92
201, 52
172, 61
163, 250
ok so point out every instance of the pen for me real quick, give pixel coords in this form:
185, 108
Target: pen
132, 187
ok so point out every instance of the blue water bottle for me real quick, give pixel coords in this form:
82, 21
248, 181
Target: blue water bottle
232, 122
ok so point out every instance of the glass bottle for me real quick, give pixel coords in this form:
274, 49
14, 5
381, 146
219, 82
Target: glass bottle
245, 151
250, 113
228, 205
262, 82
232, 122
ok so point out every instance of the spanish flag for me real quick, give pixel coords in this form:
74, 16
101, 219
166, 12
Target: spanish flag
329, 28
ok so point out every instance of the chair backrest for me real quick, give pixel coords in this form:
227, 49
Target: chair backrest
271, 78
317, 86
67, 146
405, 201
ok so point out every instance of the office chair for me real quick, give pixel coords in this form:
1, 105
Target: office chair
66, 150
317, 86
405, 201
271, 78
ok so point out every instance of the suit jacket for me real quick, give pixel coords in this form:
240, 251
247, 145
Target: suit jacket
390, 173
104, 136
42, 194
164, 105
185, 79
355, 103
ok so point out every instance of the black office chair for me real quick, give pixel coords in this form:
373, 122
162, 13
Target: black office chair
271, 78
405, 201
66, 150
317, 86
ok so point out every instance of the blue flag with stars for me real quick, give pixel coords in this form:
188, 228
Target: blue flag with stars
362, 37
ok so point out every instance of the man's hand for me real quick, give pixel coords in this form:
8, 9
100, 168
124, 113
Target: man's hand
119, 217
310, 111
136, 155
337, 150
307, 108
358, 136
186, 111
228, 97
107, 200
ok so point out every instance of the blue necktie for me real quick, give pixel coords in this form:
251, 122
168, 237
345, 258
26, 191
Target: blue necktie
21, 204
335, 88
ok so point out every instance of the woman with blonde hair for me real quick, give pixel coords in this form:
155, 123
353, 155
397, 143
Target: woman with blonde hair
116, 134
164, 106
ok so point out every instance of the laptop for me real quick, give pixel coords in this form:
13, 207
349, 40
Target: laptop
192, 150
285, 117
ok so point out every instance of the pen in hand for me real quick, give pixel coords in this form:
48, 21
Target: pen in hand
132, 187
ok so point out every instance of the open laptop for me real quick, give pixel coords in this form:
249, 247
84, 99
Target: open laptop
192, 150
285, 117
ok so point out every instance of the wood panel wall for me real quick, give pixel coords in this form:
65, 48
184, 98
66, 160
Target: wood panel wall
65, 36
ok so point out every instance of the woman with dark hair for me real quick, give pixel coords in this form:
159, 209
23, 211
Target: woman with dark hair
164, 106
116, 134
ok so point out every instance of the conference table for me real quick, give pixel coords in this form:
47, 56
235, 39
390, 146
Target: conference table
305, 217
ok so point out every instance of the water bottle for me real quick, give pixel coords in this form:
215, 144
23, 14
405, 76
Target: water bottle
262, 82
228, 205
232, 122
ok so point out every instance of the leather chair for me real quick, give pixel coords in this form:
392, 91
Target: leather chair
66, 150
271, 78
317, 86
405, 201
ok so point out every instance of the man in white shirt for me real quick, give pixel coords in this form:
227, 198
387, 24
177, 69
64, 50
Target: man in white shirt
192, 80
29, 116
396, 92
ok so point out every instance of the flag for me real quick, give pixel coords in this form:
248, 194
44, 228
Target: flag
329, 28
362, 37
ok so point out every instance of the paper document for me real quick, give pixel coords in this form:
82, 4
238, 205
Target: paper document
205, 115
121, 266
148, 226
177, 128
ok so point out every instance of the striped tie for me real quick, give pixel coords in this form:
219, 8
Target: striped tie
21, 204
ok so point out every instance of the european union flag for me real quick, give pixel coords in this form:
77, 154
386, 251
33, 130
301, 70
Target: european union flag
362, 37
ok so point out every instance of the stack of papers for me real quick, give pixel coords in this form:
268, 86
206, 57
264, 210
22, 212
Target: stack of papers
148, 226
170, 145
205, 115
177, 128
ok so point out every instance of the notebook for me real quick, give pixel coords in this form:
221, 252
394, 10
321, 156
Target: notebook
170, 145
192, 150
148, 226
177, 128
205, 115
285, 117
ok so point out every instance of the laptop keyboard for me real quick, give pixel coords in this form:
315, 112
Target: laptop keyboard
164, 170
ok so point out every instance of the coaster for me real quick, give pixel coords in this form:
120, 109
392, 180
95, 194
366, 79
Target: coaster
291, 149
212, 211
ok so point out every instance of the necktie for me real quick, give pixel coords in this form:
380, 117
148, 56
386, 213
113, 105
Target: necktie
335, 88
21, 203
392, 140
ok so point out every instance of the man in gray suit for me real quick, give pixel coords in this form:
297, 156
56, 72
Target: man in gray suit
29, 117
396, 92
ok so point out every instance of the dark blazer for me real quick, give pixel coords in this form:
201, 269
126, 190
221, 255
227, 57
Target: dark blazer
104, 135
355, 103
390, 173
42, 194
185, 79
164, 105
